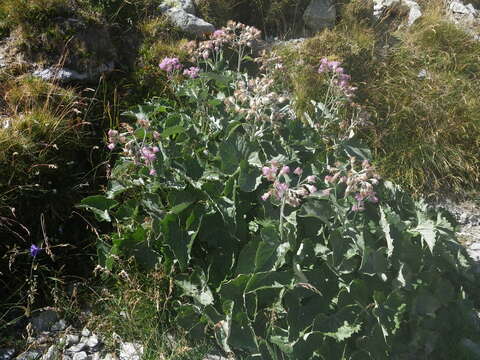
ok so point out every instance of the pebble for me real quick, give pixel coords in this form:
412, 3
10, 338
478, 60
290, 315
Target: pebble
7, 354
86, 332
71, 340
82, 355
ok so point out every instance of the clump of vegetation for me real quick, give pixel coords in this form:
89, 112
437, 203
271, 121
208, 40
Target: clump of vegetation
422, 98
134, 305
278, 235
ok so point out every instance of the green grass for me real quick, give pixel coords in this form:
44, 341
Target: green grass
426, 132
137, 306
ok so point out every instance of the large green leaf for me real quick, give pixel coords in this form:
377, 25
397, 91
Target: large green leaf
177, 239
99, 205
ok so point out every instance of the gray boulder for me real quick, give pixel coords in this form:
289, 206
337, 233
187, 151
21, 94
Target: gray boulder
320, 14
44, 320
188, 22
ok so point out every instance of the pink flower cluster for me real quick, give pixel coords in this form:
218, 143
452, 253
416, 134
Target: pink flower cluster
114, 138
233, 34
170, 64
340, 78
256, 100
140, 153
360, 182
281, 189
191, 72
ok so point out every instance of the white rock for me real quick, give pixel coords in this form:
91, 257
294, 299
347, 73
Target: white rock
95, 356
51, 354
85, 332
71, 340
214, 357
460, 8
131, 351
92, 341
320, 14
80, 356
77, 348
414, 9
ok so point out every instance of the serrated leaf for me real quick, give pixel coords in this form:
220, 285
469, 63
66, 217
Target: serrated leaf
427, 231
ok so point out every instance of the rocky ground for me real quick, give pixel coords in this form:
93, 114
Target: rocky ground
52, 338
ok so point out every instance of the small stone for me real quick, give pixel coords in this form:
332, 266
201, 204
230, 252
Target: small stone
77, 348
7, 354
44, 320
214, 357
60, 325
188, 22
29, 355
71, 340
80, 356
95, 356
86, 332
51, 354
92, 341
131, 351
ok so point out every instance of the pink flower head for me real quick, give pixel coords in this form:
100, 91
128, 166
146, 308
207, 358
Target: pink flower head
265, 196
311, 179
270, 173
218, 34
153, 172
170, 64
328, 179
284, 170
191, 72
281, 188
311, 189
156, 135
298, 171
112, 133
111, 146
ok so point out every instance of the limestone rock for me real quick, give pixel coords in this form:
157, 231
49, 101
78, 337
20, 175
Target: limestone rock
80, 356
188, 22
320, 14
131, 351
414, 10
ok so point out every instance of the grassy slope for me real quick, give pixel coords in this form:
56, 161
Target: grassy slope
426, 131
